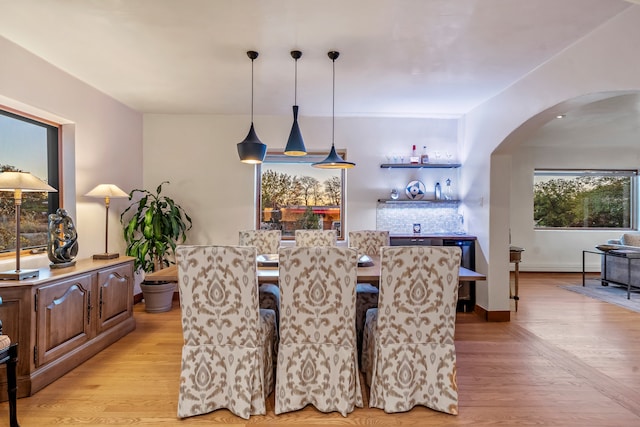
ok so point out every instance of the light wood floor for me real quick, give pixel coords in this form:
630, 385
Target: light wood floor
563, 360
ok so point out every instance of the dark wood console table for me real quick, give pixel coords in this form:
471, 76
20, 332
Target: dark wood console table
65, 316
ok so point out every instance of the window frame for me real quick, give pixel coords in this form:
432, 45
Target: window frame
278, 156
54, 168
633, 174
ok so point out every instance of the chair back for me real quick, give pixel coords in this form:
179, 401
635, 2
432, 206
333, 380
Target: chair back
411, 333
369, 242
317, 355
265, 241
418, 294
228, 341
316, 237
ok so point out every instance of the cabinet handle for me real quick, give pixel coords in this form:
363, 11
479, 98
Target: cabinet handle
89, 307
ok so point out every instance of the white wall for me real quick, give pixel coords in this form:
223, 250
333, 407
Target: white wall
102, 143
604, 61
198, 155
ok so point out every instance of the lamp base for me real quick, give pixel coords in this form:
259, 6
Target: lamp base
18, 274
106, 256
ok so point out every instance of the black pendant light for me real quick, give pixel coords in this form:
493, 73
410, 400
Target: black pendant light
295, 144
252, 150
333, 160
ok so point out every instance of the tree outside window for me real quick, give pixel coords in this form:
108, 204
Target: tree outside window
591, 199
27, 145
293, 195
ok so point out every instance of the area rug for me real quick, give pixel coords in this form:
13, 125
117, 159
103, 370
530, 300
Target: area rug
612, 294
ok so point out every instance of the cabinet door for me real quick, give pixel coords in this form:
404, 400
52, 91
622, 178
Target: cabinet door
63, 317
115, 296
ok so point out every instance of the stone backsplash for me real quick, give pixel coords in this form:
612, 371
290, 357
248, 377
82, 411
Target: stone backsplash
398, 217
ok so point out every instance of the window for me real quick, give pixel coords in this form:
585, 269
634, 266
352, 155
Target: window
294, 195
585, 199
28, 145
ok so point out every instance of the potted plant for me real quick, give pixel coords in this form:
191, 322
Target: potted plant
157, 225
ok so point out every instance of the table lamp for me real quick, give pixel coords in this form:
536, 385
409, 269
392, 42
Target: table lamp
20, 182
106, 191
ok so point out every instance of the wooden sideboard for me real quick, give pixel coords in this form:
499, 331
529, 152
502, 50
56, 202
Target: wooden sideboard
64, 317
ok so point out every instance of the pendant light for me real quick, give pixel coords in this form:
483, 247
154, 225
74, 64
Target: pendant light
252, 150
333, 160
295, 144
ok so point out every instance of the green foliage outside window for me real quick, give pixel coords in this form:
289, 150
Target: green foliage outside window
582, 201
294, 196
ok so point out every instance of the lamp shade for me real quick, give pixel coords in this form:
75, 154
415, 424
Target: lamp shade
24, 181
252, 150
295, 144
333, 161
107, 190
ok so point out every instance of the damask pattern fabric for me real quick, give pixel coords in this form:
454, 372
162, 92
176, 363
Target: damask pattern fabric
265, 241
367, 242
227, 355
316, 237
409, 355
317, 357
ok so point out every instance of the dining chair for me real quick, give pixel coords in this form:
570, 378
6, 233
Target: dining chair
265, 241
367, 242
317, 356
408, 354
228, 350
316, 237
9, 357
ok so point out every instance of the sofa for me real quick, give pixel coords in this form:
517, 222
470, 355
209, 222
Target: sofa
616, 268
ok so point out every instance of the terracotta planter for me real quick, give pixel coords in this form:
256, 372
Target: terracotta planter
157, 296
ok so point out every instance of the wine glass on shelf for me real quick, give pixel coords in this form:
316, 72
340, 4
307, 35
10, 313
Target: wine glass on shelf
437, 155
449, 156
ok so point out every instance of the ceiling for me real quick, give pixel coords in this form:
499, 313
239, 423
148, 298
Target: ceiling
398, 58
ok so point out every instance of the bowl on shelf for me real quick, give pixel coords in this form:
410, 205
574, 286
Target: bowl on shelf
606, 248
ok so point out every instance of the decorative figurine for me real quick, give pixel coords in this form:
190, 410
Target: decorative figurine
62, 242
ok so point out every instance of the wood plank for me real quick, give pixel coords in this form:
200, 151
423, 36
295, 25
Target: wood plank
563, 359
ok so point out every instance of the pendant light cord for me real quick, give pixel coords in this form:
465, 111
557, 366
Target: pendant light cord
333, 105
295, 88
252, 90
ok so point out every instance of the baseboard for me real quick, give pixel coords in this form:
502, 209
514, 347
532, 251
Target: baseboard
493, 316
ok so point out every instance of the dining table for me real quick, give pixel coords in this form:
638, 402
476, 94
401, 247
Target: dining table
368, 272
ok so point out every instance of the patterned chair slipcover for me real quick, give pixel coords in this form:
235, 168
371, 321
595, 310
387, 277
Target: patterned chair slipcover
227, 356
408, 354
265, 242
316, 237
317, 356
367, 242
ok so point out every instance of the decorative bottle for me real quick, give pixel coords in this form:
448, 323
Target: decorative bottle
448, 193
425, 156
414, 156
438, 191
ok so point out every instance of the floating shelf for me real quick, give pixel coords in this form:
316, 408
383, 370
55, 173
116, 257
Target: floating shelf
420, 165
433, 202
